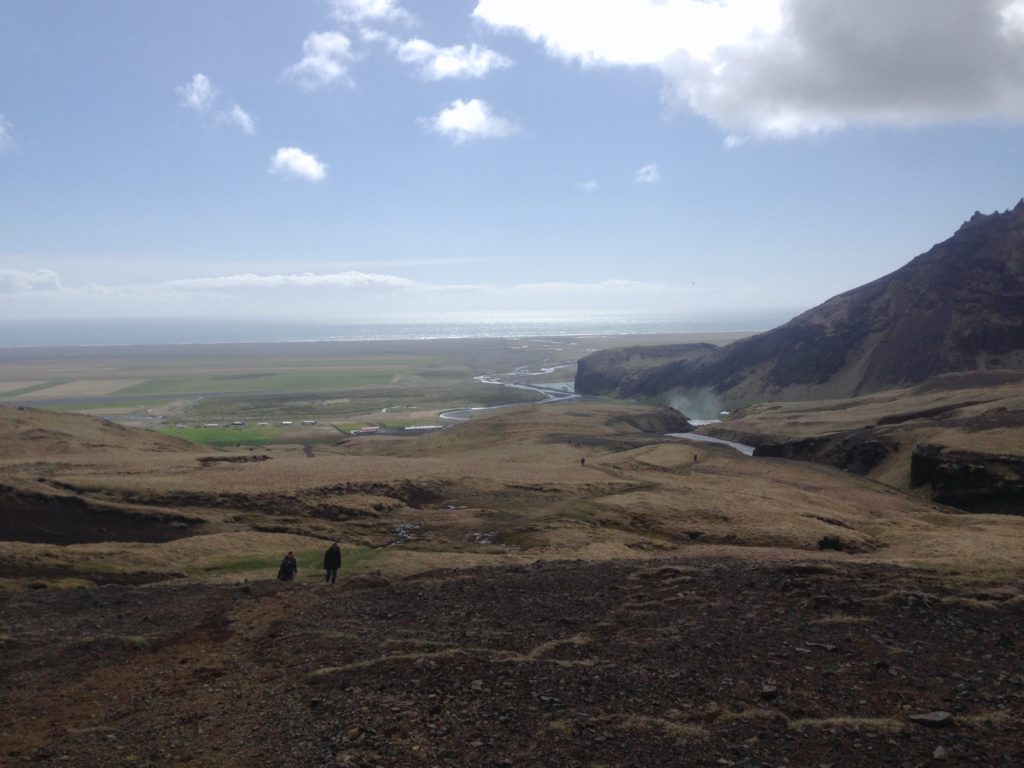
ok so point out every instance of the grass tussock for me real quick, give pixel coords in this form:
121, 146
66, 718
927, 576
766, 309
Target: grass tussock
659, 725
843, 618
543, 649
882, 724
394, 658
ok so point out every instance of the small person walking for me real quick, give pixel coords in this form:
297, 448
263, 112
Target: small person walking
289, 568
332, 562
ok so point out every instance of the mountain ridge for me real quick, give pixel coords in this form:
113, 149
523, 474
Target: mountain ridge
957, 307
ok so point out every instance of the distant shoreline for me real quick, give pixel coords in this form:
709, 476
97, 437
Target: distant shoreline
302, 348
150, 333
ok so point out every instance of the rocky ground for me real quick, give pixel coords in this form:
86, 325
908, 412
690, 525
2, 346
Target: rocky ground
675, 662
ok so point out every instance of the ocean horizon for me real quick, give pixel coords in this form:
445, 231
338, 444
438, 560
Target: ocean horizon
130, 332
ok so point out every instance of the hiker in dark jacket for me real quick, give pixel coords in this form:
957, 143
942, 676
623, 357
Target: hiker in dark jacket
289, 567
332, 562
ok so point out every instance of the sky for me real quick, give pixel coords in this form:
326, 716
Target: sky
331, 160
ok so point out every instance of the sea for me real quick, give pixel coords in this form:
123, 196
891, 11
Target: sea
124, 332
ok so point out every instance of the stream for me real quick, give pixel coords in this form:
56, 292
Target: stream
552, 394
564, 391
746, 450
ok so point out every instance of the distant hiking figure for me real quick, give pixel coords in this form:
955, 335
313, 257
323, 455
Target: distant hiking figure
289, 567
583, 462
332, 562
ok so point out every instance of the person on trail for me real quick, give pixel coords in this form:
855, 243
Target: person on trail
583, 462
332, 562
289, 568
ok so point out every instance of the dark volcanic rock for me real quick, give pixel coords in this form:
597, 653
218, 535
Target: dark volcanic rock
602, 373
969, 480
958, 307
858, 452
559, 665
65, 519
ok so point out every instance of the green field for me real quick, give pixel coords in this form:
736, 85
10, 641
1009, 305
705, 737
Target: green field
265, 382
75, 407
388, 383
225, 437
35, 388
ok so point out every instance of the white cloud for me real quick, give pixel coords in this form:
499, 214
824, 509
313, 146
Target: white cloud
15, 281
325, 58
350, 279
6, 141
241, 118
454, 61
732, 141
590, 185
600, 287
647, 174
473, 119
785, 68
292, 161
368, 10
316, 285
372, 35
1013, 16
198, 93
328, 294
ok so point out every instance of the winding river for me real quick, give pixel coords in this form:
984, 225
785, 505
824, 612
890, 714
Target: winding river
552, 394
746, 450
556, 393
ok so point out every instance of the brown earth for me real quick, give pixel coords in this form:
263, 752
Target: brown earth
690, 662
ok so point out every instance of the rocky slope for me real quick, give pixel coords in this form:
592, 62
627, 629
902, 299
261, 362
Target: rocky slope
686, 663
957, 307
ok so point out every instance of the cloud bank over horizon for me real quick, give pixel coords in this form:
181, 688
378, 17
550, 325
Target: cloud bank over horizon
349, 293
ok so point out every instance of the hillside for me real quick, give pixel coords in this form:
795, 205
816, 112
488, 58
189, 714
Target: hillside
588, 480
548, 585
30, 433
957, 307
678, 662
955, 439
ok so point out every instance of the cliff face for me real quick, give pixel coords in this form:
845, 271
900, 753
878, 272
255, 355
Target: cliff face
957, 307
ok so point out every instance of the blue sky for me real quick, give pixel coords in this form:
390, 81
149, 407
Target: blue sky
339, 159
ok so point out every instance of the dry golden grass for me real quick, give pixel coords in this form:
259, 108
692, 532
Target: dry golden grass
884, 724
10, 386
937, 411
82, 388
513, 477
642, 724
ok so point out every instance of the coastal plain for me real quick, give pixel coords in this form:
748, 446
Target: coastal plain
387, 382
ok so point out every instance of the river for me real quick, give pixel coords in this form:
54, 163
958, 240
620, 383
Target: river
552, 394
746, 450
558, 391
